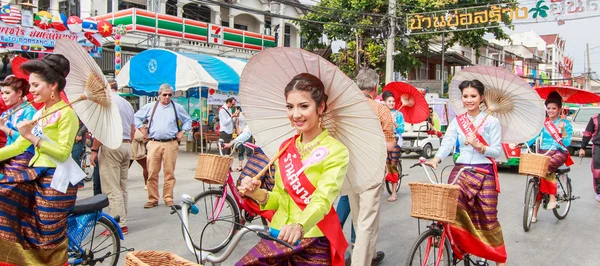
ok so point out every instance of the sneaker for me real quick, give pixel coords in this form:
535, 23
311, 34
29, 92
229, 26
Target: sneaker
378, 258
598, 197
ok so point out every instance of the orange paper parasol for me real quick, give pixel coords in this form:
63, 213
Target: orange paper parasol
410, 101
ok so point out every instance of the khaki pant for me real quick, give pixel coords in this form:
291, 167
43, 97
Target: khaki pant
113, 178
365, 217
164, 153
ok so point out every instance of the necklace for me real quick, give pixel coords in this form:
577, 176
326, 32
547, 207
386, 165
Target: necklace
306, 150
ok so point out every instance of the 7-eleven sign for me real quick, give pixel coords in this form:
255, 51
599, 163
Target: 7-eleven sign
216, 34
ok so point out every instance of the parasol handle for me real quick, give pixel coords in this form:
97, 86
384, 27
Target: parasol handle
268, 166
68, 105
17, 109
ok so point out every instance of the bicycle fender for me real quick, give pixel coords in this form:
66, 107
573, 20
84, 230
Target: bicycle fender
112, 220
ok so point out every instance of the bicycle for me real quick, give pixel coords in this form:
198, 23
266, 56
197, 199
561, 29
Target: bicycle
437, 239
564, 196
222, 203
388, 184
82, 233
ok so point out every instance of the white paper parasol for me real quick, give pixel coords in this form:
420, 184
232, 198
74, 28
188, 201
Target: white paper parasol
508, 97
89, 94
349, 117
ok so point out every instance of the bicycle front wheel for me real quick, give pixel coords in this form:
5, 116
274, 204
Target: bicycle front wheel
530, 198
100, 247
428, 248
220, 216
563, 197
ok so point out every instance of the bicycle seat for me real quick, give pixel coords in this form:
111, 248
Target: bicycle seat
563, 170
89, 205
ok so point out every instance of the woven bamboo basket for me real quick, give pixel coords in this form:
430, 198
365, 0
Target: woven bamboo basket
156, 258
212, 169
436, 202
533, 164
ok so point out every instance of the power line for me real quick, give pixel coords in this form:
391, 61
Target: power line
267, 13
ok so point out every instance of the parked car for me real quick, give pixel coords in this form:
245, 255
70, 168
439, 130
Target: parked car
579, 122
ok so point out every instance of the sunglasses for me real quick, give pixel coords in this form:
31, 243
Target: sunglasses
167, 94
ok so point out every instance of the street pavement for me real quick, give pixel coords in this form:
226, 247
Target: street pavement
572, 241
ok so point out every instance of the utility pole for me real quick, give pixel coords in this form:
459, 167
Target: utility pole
389, 60
442, 66
589, 68
153, 39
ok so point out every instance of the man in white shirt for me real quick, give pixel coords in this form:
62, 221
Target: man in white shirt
115, 162
226, 122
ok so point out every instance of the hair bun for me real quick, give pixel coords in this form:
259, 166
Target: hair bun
554, 95
58, 63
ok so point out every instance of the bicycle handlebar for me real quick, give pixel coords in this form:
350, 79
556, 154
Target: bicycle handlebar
473, 169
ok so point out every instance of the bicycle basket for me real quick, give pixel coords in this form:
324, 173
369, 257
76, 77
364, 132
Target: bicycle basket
156, 258
436, 202
212, 169
533, 164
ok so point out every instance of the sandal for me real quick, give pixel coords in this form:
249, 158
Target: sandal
551, 205
392, 198
239, 169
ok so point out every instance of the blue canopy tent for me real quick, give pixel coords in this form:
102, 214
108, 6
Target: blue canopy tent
146, 71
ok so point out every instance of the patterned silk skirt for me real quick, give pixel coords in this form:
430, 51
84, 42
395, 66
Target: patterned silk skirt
33, 216
477, 230
392, 164
310, 251
548, 182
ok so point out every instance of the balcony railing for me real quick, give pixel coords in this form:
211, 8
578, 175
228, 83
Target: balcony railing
146, 22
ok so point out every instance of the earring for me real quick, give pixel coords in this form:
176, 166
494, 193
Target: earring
321, 121
52, 96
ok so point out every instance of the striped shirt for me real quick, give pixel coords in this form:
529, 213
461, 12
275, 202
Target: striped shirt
385, 117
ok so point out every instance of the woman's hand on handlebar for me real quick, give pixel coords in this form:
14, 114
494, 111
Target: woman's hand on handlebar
432, 163
228, 145
291, 233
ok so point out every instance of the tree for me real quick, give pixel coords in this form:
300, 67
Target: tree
364, 25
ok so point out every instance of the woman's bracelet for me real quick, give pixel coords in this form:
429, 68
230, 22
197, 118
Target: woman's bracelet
265, 200
299, 225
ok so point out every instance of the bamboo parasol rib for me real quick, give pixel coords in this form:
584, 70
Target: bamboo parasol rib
17, 109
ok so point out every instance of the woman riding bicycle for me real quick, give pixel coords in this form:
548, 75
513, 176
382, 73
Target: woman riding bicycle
394, 156
34, 214
555, 138
305, 214
477, 230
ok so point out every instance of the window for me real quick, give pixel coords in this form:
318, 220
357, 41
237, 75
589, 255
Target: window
109, 6
267, 27
69, 8
195, 12
437, 72
127, 5
240, 27
423, 72
43, 5
225, 23
171, 7
287, 38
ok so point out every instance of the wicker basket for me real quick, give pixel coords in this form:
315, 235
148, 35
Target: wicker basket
533, 164
212, 169
436, 202
156, 258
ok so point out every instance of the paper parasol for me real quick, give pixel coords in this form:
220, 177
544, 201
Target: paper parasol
349, 117
508, 97
409, 101
89, 94
569, 94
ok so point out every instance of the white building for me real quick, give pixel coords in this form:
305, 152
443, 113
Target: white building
555, 51
280, 32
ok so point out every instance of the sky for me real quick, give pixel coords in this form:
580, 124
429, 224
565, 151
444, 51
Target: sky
575, 32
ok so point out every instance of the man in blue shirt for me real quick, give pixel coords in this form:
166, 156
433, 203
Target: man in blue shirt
167, 122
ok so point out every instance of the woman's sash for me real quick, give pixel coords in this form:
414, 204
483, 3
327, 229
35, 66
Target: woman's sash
468, 128
300, 190
553, 130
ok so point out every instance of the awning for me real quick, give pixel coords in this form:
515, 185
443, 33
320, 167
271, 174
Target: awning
146, 71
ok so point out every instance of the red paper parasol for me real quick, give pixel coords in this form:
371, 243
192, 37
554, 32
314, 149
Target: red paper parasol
16, 67
569, 94
410, 101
